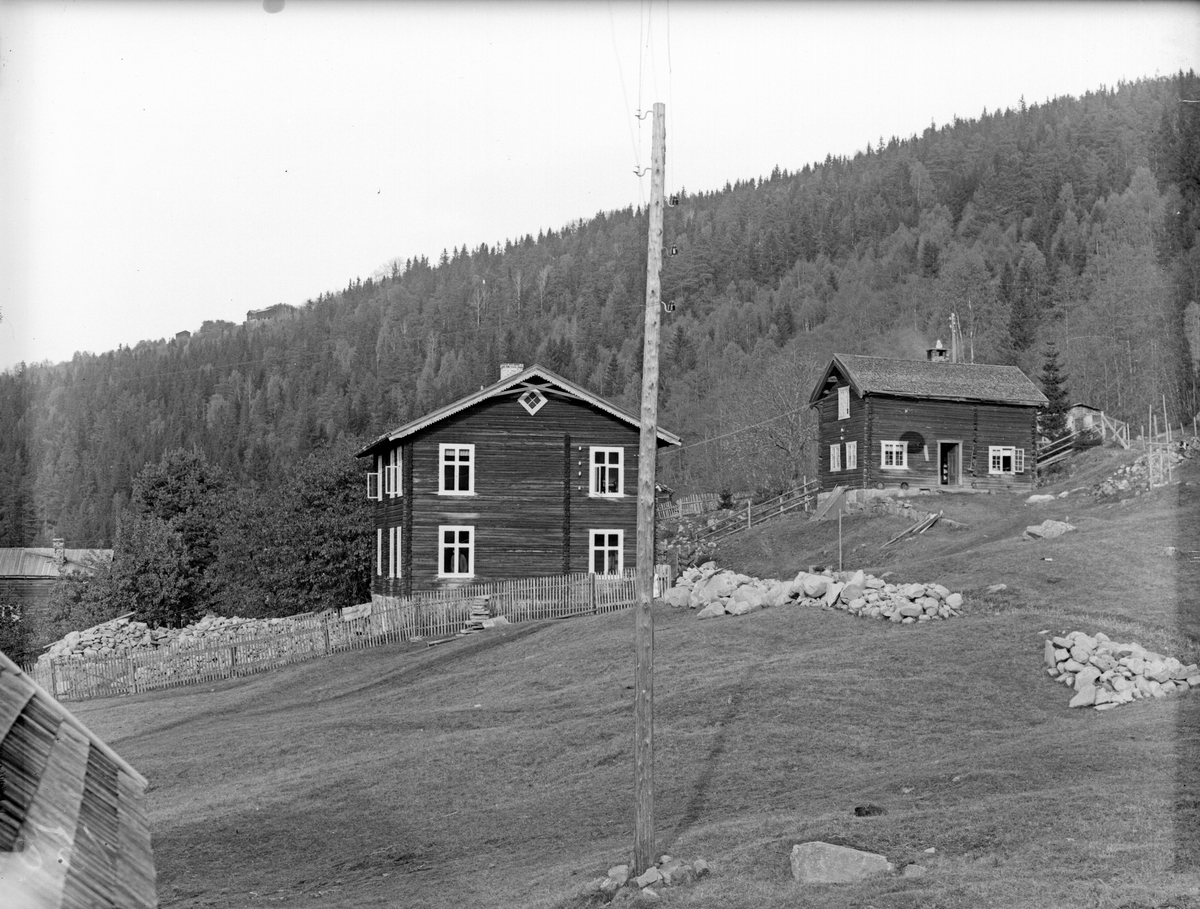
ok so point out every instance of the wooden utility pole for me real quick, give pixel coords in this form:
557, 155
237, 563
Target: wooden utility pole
643, 639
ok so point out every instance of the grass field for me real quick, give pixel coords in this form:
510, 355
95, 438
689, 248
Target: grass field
497, 770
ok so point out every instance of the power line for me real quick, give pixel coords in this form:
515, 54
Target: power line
735, 432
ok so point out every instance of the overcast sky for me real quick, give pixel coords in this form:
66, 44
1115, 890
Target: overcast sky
166, 163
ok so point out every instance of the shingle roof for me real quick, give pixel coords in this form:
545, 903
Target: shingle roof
549, 381
34, 562
932, 380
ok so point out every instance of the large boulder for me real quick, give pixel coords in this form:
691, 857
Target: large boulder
825, 863
1047, 530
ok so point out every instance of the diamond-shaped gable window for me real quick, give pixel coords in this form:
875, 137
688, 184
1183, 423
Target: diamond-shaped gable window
532, 400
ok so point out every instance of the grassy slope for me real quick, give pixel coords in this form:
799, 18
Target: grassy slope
497, 770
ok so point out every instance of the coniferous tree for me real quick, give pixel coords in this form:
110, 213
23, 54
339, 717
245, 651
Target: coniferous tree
1053, 419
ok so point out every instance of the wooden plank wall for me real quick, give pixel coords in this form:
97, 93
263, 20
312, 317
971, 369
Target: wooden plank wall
834, 431
974, 426
530, 490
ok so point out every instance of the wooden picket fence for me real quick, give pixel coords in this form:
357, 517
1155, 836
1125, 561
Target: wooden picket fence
428, 615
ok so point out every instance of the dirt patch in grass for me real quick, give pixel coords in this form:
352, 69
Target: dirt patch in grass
496, 770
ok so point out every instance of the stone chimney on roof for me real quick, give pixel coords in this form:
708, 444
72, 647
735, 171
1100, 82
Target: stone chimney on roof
60, 554
508, 370
937, 353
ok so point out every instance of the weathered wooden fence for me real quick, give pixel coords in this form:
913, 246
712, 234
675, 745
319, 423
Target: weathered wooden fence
427, 615
696, 503
802, 496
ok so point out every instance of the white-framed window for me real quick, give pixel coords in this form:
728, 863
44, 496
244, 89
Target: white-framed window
375, 480
894, 455
1005, 459
835, 458
608, 471
379, 552
393, 552
456, 551
844, 402
457, 474
606, 552
532, 401
851, 455
392, 475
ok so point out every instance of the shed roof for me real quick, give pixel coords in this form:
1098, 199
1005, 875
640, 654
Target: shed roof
38, 561
932, 380
548, 383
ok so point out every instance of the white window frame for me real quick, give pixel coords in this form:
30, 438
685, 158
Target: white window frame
447, 447
443, 529
394, 562
835, 458
375, 481
393, 473
996, 456
606, 546
851, 455
532, 400
378, 552
843, 402
595, 470
894, 448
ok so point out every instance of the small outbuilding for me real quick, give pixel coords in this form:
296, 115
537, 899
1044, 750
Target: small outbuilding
925, 424
533, 476
28, 575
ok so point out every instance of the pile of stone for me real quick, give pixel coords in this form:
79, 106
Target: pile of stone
715, 593
1106, 674
120, 636
668, 871
1135, 478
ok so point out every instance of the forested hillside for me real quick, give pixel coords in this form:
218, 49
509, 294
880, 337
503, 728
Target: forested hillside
1074, 221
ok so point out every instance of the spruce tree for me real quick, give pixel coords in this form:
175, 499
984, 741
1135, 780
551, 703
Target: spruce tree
1053, 419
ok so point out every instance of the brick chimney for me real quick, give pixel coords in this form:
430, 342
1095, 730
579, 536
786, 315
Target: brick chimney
937, 353
60, 554
508, 370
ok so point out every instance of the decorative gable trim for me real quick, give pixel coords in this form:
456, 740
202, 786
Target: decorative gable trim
550, 385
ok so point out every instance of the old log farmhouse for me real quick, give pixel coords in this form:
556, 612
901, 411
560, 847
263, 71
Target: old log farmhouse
531, 477
925, 424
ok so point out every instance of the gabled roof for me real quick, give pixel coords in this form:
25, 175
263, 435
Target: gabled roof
38, 562
548, 383
931, 380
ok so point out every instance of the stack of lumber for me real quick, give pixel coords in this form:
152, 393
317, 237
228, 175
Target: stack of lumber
73, 826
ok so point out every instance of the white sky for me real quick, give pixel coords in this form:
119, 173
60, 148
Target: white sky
166, 163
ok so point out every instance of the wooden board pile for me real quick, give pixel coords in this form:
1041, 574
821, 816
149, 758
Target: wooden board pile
716, 593
73, 828
1106, 674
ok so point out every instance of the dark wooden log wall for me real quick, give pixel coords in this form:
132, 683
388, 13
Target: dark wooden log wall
835, 431
531, 509
922, 424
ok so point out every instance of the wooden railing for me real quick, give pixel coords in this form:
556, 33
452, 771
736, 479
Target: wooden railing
427, 615
745, 518
1117, 430
1053, 452
695, 503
